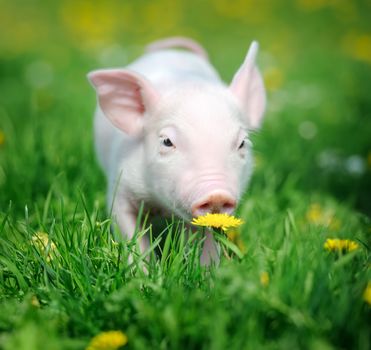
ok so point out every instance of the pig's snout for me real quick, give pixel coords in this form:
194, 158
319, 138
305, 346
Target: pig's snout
217, 202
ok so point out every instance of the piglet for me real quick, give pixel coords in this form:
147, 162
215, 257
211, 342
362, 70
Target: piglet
171, 134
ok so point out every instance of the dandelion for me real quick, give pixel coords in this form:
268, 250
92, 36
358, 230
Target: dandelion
110, 340
319, 216
223, 221
34, 301
314, 214
43, 244
264, 279
367, 294
340, 245
358, 46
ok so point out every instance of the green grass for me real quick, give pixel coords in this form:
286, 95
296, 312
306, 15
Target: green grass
304, 189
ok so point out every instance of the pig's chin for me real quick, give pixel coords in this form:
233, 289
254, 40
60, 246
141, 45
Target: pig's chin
183, 213
166, 210
162, 211
180, 212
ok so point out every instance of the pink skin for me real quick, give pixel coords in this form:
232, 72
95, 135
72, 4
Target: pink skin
171, 134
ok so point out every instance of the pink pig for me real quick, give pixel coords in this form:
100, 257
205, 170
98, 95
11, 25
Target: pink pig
171, 134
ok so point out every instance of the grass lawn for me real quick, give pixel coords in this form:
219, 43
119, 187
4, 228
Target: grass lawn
64, 275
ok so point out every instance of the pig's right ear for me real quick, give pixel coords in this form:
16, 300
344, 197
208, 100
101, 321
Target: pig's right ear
248, 86
124, 97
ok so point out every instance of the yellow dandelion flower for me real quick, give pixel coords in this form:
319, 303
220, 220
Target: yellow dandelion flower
340, 245
314, 213
319, 216
110, 340
41, 240
264, 279
358, 46
223, 221
34, 301
367, 294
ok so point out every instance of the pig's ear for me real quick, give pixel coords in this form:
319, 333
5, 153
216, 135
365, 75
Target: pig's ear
247, 85
124, 97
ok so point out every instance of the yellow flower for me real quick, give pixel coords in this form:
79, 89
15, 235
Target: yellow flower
358, 46
41, 241
110, 340
340, 245
264, 279
314, 214
367, 294
319, 216
34, 301
223, 221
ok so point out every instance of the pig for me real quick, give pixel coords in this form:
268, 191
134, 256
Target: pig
171, 134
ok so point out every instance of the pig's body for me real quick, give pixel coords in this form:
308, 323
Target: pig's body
170, 134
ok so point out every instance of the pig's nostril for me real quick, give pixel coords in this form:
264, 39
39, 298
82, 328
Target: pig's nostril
204, 206
228, 208
201, 209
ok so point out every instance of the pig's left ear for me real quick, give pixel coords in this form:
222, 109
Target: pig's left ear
124, 97
247, 85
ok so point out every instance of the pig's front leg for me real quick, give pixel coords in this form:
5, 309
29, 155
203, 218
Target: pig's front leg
126, 217
210, 251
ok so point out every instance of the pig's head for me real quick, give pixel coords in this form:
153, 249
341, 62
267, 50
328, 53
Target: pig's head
198, 154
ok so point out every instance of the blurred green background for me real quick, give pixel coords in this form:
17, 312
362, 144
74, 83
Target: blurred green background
315, 57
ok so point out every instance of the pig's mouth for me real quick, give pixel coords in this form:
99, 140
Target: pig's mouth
175, 208
216, 201
184, 214
213, 204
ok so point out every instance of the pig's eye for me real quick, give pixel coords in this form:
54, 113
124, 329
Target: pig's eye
167, 142
242, 144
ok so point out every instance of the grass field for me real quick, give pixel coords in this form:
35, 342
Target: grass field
64, 277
